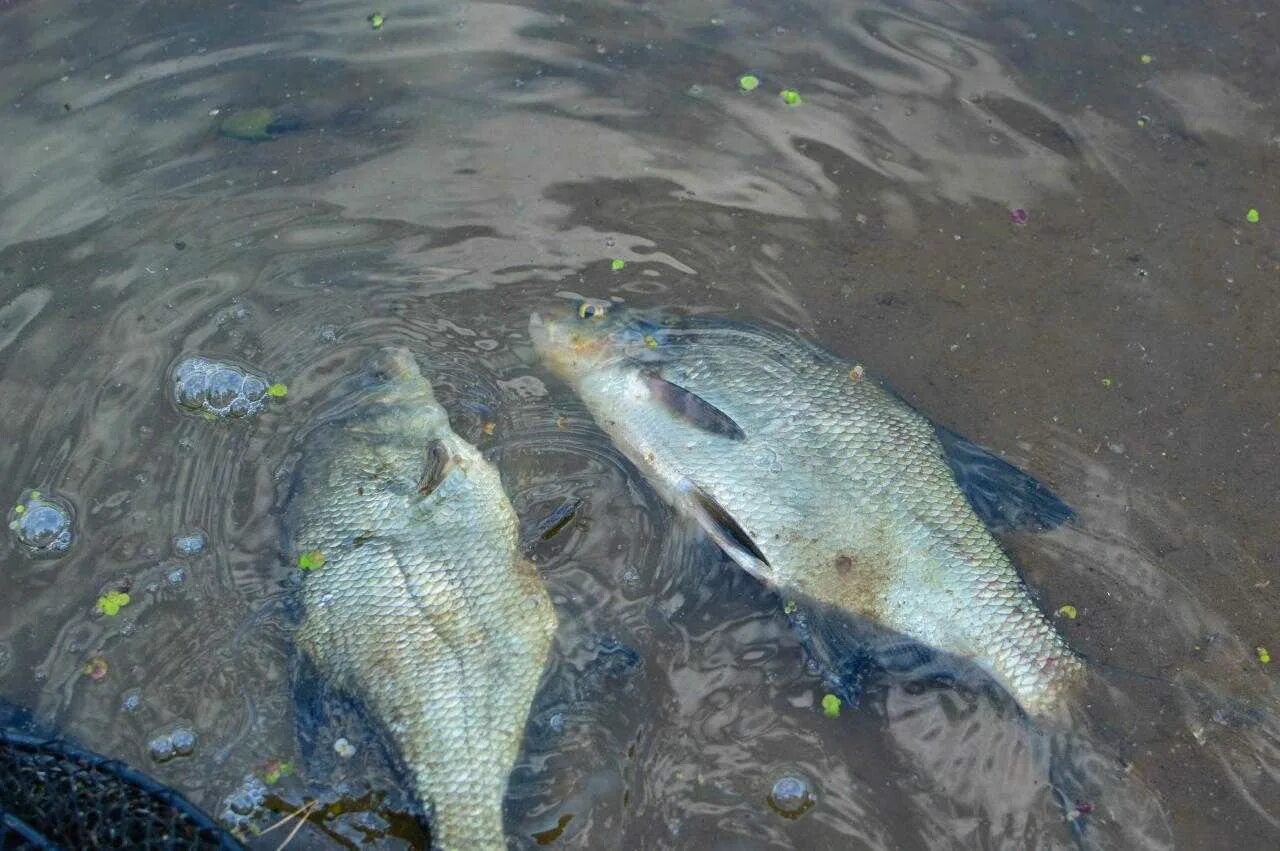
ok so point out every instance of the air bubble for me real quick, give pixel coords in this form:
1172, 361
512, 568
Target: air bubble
161, 748
190, 543
791, 796
213, 387
43, 524
184, 741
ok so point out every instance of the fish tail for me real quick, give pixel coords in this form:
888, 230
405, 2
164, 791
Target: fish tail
1103, 800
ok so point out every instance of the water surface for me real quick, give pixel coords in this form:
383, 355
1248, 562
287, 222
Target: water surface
1031, 220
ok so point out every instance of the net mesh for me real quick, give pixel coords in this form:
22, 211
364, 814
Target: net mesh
55, 795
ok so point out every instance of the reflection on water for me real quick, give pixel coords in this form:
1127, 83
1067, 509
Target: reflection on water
431, 182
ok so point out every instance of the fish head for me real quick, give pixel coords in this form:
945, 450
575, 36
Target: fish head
394, 395
593, 336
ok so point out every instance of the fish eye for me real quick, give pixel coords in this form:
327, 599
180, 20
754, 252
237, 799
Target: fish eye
592, 310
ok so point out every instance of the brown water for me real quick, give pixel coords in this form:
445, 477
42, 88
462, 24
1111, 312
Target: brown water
437, 179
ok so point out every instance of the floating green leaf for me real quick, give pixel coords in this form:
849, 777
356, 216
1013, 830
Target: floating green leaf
278, 390
274, 770
110, 604
617, 265
749, 82
1253, 216
1106, 382
789, 607
790, 97
1264, 655
831, 706
311, 560
1146, 59
376, 20
249, 125
1068, 611
96, 668
19, 509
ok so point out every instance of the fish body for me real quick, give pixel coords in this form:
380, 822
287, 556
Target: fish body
814, 478
422, 607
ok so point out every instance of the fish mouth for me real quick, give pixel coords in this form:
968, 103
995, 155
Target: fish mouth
558, 344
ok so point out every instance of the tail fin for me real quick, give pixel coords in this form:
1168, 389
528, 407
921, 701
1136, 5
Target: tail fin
1103, 800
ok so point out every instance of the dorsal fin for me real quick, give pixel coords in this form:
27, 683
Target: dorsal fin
1001, 494
724, 530
692, 408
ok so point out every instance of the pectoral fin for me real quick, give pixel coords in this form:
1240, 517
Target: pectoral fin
1001, 494
436, 467
723, 529
692, 408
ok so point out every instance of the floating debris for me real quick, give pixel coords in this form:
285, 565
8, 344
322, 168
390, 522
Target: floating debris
313, 560
1253, 216
790, 97
831, 706
857, 373
217, 389
1019, 216
1068, 611
274, 770
749, 82
43, 524
111, 603
554, 523
344, 748
791, 796
547, 837
96, 669
259, 124
190, 543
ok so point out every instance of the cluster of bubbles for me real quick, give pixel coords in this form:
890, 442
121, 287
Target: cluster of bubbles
42, 524
216, 388
189, 543
179, 742
244, 801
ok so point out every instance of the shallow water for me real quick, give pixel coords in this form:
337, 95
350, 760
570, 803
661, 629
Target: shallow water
431, 182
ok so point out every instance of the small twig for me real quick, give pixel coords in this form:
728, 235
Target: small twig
284, 819
297, 827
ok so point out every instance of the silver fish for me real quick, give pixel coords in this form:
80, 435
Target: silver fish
817, 480
417, 600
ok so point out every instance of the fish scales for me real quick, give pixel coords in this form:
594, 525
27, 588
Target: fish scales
842, 488
423, 608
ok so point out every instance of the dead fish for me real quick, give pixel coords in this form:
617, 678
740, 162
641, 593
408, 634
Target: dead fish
820, 482
416, 599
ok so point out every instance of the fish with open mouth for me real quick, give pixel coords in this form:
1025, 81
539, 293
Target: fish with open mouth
822, 483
